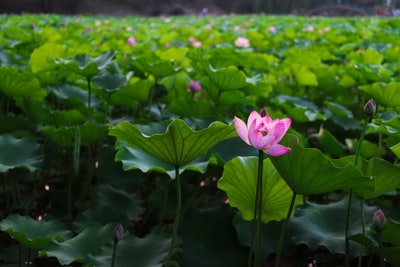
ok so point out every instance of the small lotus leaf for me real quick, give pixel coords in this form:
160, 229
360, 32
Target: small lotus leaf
23, 152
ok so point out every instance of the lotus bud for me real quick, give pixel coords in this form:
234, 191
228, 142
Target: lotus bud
264, 112
379, 221
118, 233
370, 108
194, 87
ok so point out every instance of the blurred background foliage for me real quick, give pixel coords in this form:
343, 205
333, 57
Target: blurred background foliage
196, 7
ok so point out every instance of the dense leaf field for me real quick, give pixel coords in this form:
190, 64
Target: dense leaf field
108, 122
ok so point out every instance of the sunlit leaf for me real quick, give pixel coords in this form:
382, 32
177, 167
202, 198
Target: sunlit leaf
179, 145
239, 182
18, 84
308, 171
386, 94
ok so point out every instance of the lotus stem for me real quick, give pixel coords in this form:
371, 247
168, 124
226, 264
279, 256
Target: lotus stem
283, 230
347, 241
255, 244
177, 217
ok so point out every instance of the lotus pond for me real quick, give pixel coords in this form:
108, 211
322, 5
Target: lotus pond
199, 141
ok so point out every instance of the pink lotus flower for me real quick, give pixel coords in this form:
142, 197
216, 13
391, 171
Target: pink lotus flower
272, 29
242, 42
263, 133
194, 87
131, 41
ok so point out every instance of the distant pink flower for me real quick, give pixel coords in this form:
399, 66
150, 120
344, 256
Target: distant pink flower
242, 42
191, 40
167, 44
320, 31
194, 87
131, 41
196, 44
310, 28
263, 133
208, 27
272, 29
128, 28
327, 28
97, 23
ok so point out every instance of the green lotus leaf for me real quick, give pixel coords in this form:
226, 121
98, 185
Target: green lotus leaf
385, 174
19, 84
305, 77
87, 66
76, 249
308, 171
396, 150
43, 57
239, 182
189, 108
316, 225
328, 143
31, 233
133, 158
19, 152
385, 123
179, 145
149, 251
226, 79
110, 82
158, 68
385, 94
73, 95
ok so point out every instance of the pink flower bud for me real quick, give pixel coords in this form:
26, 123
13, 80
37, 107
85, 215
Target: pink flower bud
118, 233
194, 87
370, 108
379, 221
131, 41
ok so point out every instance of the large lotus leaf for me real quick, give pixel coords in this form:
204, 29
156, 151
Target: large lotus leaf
133, 158
214, 242
308, 171
239, 182
316, 225
76, 249
87, 66
179, 145
386, 94
31, 233
18, 84
132, 251
229, 78
42, 58
369, 56
103, 210
23, 152
65, 135
235, 97
385, 173
377, 73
